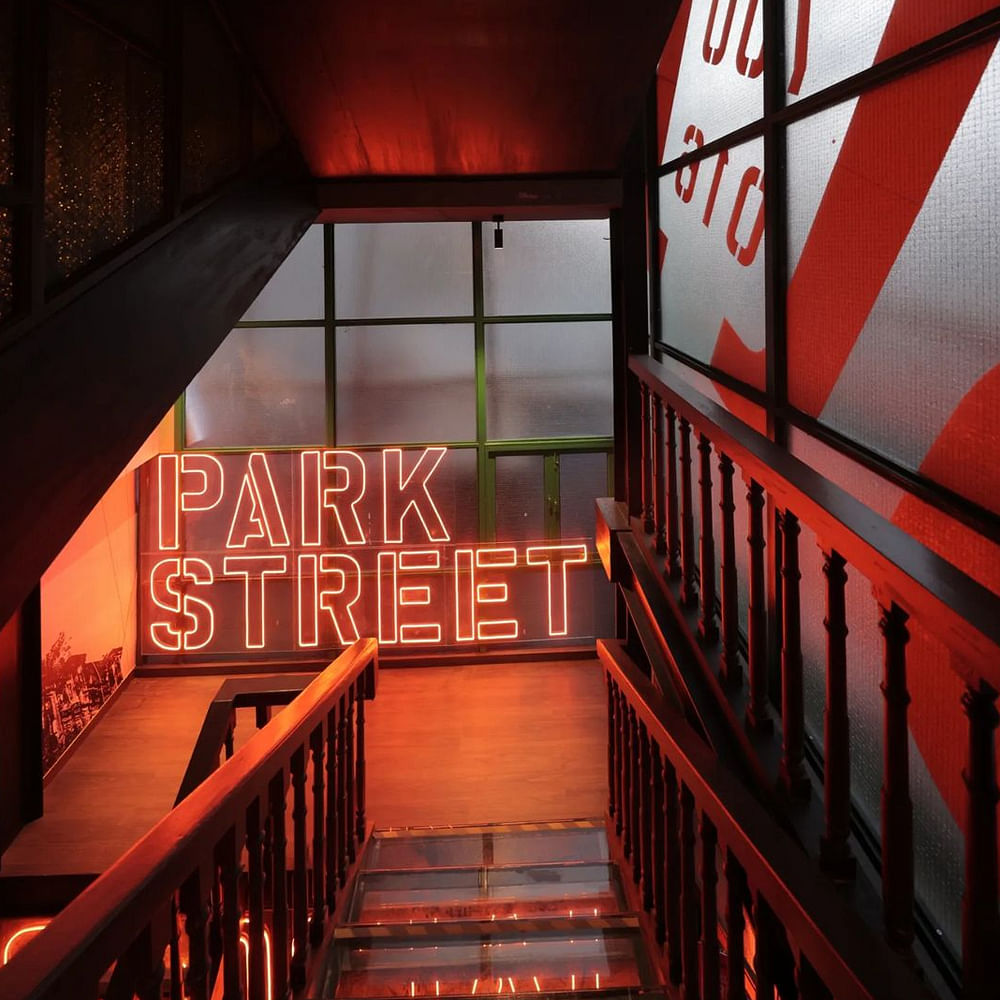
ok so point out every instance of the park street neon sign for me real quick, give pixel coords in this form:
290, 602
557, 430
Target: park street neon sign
303, 550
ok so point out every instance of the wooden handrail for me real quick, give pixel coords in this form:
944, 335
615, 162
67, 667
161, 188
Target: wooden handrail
848, 957
233, 693
960, 611
100, 925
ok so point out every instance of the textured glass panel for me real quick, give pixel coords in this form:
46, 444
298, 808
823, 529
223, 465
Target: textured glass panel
520, 497
892, 329
103, 147
295, 290
211, 104
829, 40
6, 264
261, 387
720, 84
6, 91
406, 384
712, 278
403, 269
548, 380
582, 478
547, 267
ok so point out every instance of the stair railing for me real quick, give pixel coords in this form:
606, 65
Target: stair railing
911, 584
191, 863
675, 811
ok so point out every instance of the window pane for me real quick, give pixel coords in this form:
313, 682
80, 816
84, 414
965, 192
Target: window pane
892, 329
712, 246
830, 40
546, 380
295, 290
261, 387
547, 267
406, 384
582, 478
719, 74
520, 498
403, 269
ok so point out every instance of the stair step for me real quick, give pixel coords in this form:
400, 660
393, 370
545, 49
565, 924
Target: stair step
484, 893
596, 956
489, 846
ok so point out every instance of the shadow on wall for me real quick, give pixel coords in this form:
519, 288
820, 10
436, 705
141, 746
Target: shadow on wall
89, 609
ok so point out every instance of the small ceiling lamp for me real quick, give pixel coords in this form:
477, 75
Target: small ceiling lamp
498, 232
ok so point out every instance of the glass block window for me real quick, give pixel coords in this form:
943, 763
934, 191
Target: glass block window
403, 270
547, 267
548, 380
103, 146
261, 387
406, 384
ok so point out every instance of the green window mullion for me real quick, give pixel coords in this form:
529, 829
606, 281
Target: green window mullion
485, 470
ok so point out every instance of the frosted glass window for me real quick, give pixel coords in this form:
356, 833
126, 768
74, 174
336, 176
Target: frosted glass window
547, 267
386, 270
520, 497
892, 330
712, 280
295, 290
829, 40
547, 380
582, 478
261, 387
720, 83
406, 384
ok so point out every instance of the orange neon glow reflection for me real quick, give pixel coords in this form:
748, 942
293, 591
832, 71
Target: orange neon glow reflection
22, 932
268, 971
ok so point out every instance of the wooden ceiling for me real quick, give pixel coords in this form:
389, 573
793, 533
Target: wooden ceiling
389, 88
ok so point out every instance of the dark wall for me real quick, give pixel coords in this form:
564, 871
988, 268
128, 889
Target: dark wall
20, 712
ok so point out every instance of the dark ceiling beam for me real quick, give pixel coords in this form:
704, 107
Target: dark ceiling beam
84, 387
465, 198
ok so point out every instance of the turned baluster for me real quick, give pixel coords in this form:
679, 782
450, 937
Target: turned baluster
672, 869
736, 893
673, 566
612, 749
792, 772
711, 988
318, 922
689, 593
332, 805
645, 819
835, 852
707, 628
229, 867
351, 775
300, 871
897, 807
279, 884
627, 764
690, 923
758, 716
647, 461
256, 987
343, 816
729, 664
980, 919
657, 821
359, 767
659, 477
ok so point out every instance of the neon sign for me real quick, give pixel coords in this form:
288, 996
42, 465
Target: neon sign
305, 550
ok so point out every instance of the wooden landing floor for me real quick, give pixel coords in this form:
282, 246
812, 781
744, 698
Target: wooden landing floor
445, 745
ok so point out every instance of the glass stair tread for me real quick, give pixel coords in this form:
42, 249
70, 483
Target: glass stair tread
560, 956
487, 893
506, 844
